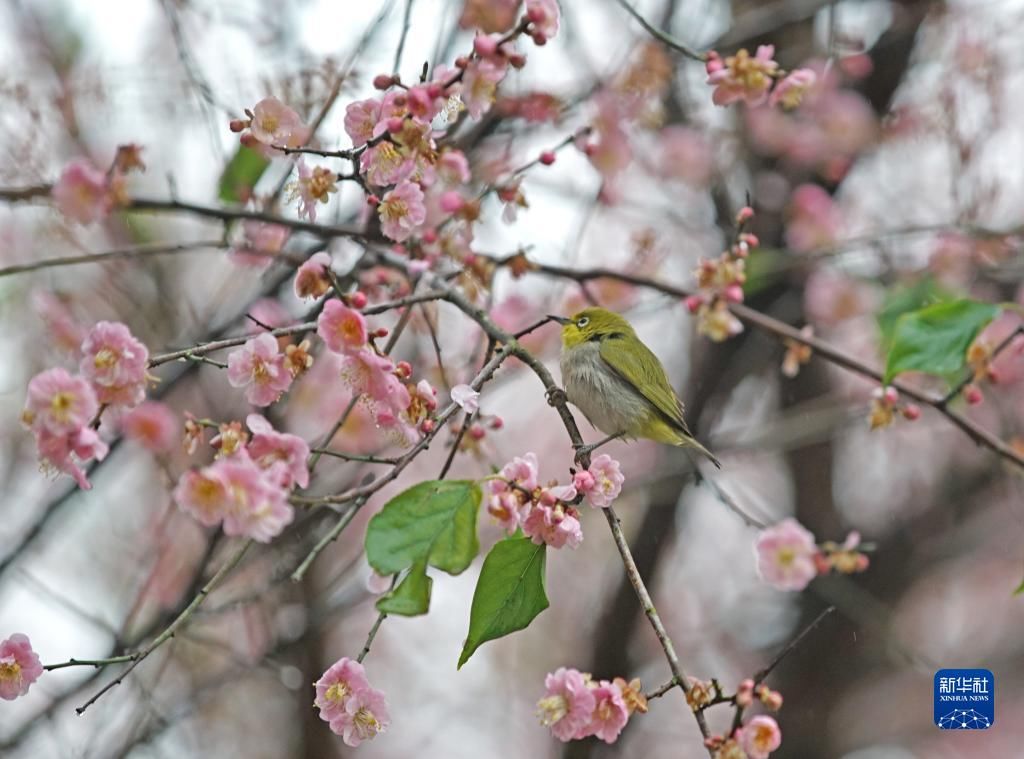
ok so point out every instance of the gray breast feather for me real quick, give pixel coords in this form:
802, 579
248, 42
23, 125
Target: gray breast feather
608, 401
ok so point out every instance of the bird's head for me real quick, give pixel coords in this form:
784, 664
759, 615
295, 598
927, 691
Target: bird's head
591, 324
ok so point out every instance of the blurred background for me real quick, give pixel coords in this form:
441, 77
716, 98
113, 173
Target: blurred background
897, 178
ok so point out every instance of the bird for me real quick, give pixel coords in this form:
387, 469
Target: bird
619, 384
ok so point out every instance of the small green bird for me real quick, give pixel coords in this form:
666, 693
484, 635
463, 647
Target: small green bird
618, 383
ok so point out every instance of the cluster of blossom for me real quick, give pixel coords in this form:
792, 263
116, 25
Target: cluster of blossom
749, 79
788, 557
86, 194
247, 485
62, 409
264, 370
995, 357
720, 282
354, 709
885, 403
705, 693
576, 706
545, 513
271, 125
755, 739
19, 667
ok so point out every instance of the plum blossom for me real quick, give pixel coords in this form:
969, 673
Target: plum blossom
153, 425
203, 495
59, 402
480, 85
60, 322
790, 91
742, 77
255, 507
685, 154
605, 481
553, 523
311, 280
64, 452
373, 377
115, 363
815, 220
258, 366
785, 555
361, 118
717, 322
567, 706
610, 713
314, 185
19, 666
401, 211
797, 353
466, 398
354, 709
260, 243
341, 328
275, 124
282, 453
386, 164
82, 192
544, 17
760, 737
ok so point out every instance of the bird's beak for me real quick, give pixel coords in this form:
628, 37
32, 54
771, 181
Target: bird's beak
560, 319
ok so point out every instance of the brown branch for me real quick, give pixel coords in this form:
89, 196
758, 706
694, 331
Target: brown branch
134, 251
663, 37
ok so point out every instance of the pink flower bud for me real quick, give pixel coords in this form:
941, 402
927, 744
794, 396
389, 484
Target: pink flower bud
750, 239
485, 46
452, 202
912, 412
734, 294
539, 39
383, 81
429, 236
395, 124
497, 423
713, 62
693, 303
237, 125
477, 432
822, 564
381, 332
536, 14
434, 90
890, 395
516, 60
357, 299
745, 694
972, 394
427, 426
744, 215
461, 62
547, 157
249, 141
403, 369
372, 200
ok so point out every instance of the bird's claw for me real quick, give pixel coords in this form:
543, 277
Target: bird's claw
556, 396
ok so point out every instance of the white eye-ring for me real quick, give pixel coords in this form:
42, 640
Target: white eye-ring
583, 322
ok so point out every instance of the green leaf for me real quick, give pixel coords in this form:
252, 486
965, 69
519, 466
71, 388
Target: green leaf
903, 300
764, 268
241, 174
412, 596
509, 593
433, 521
1020, 589
934, 340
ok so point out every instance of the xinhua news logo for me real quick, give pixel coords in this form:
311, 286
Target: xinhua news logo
965, 699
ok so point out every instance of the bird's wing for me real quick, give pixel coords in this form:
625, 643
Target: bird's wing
644, 370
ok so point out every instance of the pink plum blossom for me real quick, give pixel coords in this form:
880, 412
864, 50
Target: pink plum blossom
568, 704
115, 363
401, 211
66, 331
453, 167
790, 91
742, 77
275, 124
466, 398
386, 164
153, 425
337, 685
760, 736
203, 495
815, 220
554, 524
260, 243
684, 153
19, 666
785, 555
608, 478
610, 713
314, 185
82, 192
360, 119
544, 16
256, 507
58, 402
63, 452
282, 454
311, 280
341, 328
364, 716
523, 471
258, 366
505, 504
480, 85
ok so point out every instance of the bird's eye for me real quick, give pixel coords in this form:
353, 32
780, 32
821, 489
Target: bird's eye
583, 322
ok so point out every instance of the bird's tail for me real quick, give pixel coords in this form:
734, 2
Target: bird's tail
687, 441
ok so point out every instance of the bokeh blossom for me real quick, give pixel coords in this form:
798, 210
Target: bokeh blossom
82, 192
785, 555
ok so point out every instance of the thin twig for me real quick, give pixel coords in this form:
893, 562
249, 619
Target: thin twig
666, 39
134, 251
326, 540
406, 22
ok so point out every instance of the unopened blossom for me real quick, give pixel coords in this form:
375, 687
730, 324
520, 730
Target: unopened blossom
759, 737
401, 211
480, 85
466, 398
59, 402
19, 666
717, 321
284, 455
314, 185
82, 192
608, 479
785, 555
770, 698
275, 124
115, 363
742, 77
256, 507
258, 366
883, 407
790, 91
544, 17
341, 328
202, 495
424, 101
556, 525
745, 693
360, 119
311, 280
610, 714
260, 243
568, 703
797, 353
336, 686
153, 425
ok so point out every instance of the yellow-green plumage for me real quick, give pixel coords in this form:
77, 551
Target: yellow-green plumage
618, 383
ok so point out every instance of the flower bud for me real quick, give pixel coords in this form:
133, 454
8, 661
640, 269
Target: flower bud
395, 124
429, 236
891, 395
237, 125
912, 412
516, 60
547, 157
383, 81
693, 303
477, 432
403, 369
713, 62
461, 62
451, 201
734, 294
497, 423
745, 694
972, 394
744, 215
485, 46
357, 299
